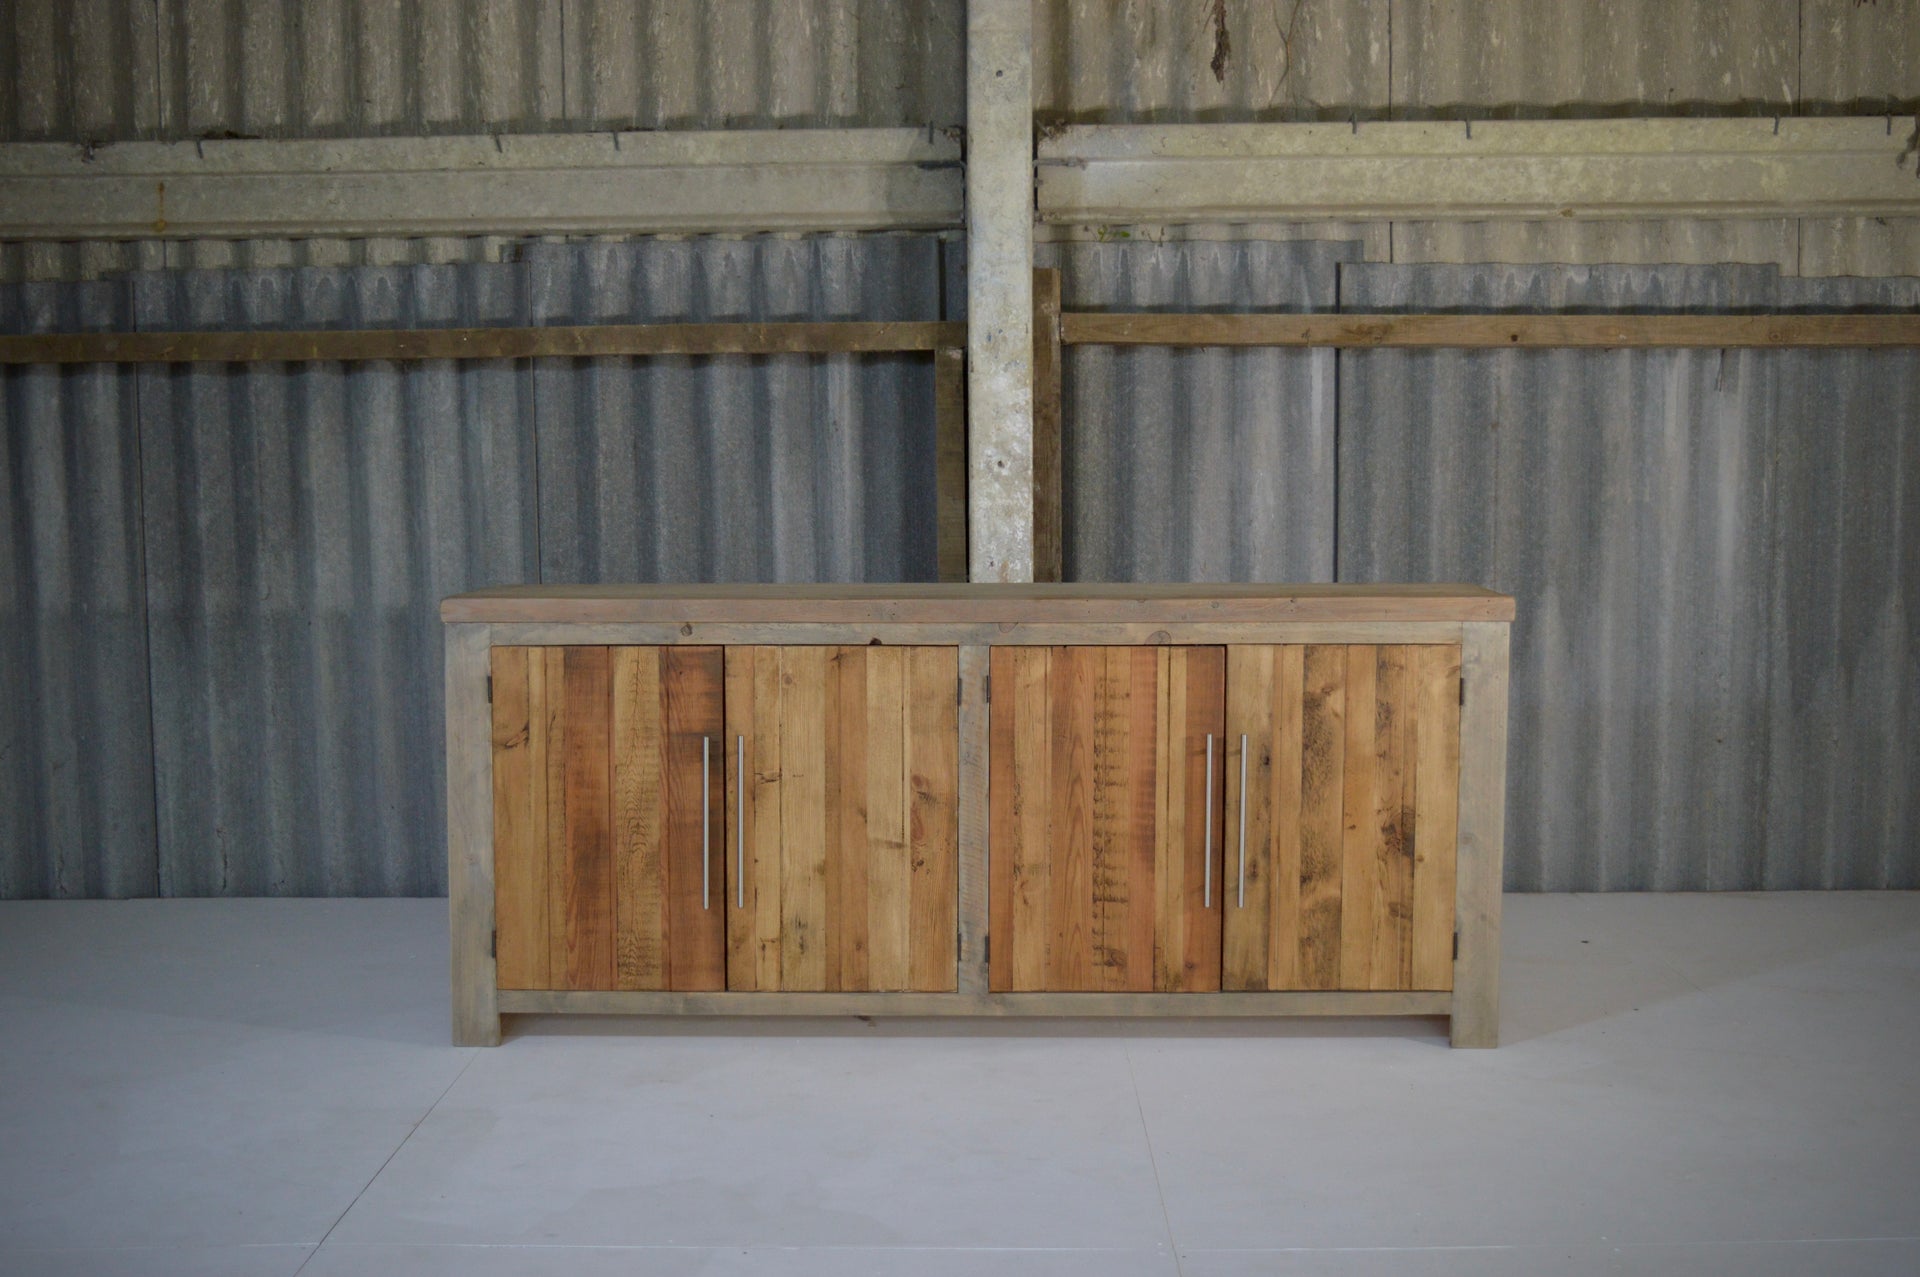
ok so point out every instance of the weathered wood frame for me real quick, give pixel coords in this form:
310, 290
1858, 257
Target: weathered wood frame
936, 615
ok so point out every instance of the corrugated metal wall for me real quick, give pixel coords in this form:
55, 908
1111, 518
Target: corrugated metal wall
1198, 465
219, 644
1719, 585
76, 751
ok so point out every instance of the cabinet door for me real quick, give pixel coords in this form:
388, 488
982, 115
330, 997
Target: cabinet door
847, 830
1352, 767
608, 871
1104, 839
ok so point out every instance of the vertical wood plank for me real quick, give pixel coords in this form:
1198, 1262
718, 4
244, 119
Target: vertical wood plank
975, 805
1110, 856
693, 713
1023, 801
851, 793
1284, 800
1072, 679
742, 902
1141, 668
1323, 737
519, 825
586, 884
1359, 866
1482, 824
1391, 966
1202, 684
642, 935
1436, 728
1007, 789
801, 852
950, 462
889, 871
1248, 928
1048, 544
470, 903
1170, 779
933, 823
552, 729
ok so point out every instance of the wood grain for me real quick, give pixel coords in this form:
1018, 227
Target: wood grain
519, 818
692, 711
1148, 606
582, 886
1359, 864
933, 820
1483, 770
472, 982
559, 342
1323, 737
643, 933
1513, 332
1436, 802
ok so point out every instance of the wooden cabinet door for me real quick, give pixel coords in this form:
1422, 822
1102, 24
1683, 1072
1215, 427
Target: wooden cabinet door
1099, 872
1352, 792
606, 779
847, 831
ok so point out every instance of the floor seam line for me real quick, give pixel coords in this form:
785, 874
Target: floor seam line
1153, 1161
473, 1054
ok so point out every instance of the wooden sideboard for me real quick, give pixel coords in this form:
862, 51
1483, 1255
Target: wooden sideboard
976, 800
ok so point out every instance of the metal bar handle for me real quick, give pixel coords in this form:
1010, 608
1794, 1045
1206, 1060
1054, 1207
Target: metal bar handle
1243, 820
1207, 898
740, 821
706, 821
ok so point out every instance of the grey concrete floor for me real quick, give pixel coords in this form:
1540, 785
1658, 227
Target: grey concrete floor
1690, 1084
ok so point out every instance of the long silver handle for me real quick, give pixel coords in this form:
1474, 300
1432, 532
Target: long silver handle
706, 820
1207, 898
740, 821
1243, 820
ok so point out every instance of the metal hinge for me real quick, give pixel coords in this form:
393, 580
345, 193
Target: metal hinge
493, 944
1456, 946
1463, 691
959, 688
489, 689
986, 687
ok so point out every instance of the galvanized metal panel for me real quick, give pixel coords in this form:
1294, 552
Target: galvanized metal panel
1455, 59
302, 522
1148, 61
786, 468
1662, 517
76, 751
1198, 465
1858, 59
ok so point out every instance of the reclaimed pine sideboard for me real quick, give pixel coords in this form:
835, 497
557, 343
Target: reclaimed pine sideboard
1067, 800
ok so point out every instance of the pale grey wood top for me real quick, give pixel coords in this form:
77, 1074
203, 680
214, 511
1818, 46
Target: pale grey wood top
973, 604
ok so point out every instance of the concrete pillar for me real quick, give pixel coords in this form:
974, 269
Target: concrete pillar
1000, 290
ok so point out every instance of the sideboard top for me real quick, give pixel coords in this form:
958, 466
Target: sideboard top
972, 603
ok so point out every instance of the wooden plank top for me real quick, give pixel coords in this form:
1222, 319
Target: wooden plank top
972, 604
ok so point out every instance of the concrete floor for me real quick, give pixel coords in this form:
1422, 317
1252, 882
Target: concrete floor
1690, 1084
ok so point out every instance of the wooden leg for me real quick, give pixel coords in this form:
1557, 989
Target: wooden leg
476, 1014
1483, 793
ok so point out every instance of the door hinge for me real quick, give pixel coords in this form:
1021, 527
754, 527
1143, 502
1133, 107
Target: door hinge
489, 689
1463, 691
986, 950
493, 944
1456, 946
986, 687
959, 688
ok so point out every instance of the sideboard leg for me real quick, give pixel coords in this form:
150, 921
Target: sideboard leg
476, 1013
1483, 788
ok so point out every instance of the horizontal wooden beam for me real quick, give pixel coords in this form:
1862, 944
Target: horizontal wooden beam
482, 343
1488, 331
1531, 169
527, 184
538, 1001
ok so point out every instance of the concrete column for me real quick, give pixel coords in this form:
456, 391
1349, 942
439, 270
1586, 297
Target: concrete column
1000, 290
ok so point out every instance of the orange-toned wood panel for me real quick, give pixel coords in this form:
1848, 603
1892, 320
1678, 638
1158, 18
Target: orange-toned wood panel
1098, 815
848, 829
597, 816
1352, 778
